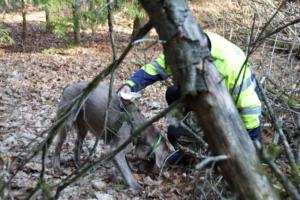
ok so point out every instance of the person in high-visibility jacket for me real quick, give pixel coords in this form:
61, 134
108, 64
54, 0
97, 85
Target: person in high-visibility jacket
228, 59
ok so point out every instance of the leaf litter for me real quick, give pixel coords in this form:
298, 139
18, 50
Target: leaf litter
31, 85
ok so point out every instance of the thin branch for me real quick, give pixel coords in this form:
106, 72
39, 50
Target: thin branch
264, 28
188, 151
275, 121
136, 42
112, 75
288, 185
112, 41
277, 30
209, 160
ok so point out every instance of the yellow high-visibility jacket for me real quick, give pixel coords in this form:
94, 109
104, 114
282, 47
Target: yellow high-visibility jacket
228, 59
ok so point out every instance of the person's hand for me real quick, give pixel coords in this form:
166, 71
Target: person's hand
124, 89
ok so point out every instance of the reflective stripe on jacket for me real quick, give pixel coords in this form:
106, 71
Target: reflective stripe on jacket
228, 59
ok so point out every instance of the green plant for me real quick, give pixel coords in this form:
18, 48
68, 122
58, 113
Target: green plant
5, 37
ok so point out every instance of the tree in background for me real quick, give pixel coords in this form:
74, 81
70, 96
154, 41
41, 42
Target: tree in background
66, 16
5, 37
74, 15
24, 23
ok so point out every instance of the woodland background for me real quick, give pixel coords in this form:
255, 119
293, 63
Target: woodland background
48, 44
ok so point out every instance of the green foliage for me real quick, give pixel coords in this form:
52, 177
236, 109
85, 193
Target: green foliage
39, 2
5, 37
62, 26
274, 150
91, 13
133, 9
94, 14
60, 16
295, 173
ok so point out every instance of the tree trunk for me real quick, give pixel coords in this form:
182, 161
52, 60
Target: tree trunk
94, 21
76, 23
47, 15
24, 31
188, 56
7, 5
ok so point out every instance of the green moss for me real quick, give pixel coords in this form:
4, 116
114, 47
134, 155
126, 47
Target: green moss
293, 101
295, 176
274, 150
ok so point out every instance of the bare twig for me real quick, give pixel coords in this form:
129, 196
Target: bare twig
112, 75
284, 92
209, 160
112, 41
41, 180
275, 121
190, 151
257, 43
136, 42
272, 56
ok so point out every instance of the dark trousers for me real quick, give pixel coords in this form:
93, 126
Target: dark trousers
174, 133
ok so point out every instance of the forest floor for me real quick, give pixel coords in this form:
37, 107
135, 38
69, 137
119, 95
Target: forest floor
31, 82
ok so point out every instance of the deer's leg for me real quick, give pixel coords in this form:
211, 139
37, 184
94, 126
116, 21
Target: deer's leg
81, 134
56, 158
120, 159
121, 163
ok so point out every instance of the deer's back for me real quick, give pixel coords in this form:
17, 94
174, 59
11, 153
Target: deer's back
94, 108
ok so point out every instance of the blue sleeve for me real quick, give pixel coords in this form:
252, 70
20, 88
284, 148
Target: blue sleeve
143, 79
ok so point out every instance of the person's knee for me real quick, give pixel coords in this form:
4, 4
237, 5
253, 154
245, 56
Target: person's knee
255, 134
174, 133
172, 94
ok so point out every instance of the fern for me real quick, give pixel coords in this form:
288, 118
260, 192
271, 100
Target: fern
5, 37
133, 9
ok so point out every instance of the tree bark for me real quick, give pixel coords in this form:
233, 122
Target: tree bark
24, 31
188, 56
76, 23
94, 21
47, 16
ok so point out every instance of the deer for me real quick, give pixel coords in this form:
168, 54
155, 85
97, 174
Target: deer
91, 118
